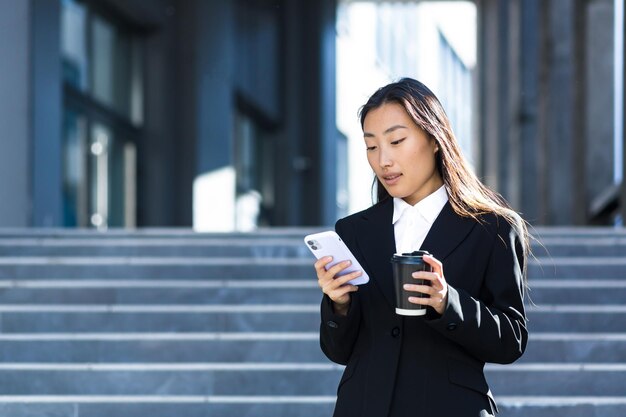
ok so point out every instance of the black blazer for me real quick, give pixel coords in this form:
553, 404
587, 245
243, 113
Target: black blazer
430, 365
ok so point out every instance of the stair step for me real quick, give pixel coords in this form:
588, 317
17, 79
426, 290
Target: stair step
575, 347
588, 268
166, 406
540, 232
261, 346
300, 292
257, 317
161, 347
247, 246
542, 291
575, 292
186, 318
261, 268
262, 406
155, 268
174, 247
159, 233
587, 318
161, 318
562, 406
558, 379
284, 379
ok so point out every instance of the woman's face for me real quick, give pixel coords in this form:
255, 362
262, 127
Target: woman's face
400, 153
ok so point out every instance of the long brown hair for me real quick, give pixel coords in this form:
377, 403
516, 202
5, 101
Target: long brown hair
468, 196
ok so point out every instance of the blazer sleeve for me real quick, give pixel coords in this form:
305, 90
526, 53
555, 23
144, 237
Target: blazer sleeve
338, 333
492, 328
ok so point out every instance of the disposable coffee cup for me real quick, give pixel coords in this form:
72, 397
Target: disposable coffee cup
404, 265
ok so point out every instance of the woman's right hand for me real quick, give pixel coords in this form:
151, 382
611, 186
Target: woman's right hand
335, 287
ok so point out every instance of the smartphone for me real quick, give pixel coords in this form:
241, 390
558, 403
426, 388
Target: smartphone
330, 244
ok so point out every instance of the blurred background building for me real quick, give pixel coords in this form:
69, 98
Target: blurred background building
233, 114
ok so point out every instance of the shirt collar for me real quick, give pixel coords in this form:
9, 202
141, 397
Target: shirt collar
429, 207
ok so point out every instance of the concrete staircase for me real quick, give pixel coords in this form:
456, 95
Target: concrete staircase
167, 323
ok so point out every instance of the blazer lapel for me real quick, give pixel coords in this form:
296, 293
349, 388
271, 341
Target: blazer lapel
377, 243
376, 240
447, 232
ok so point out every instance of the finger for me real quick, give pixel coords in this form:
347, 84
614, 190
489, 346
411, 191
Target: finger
322, 262
344, 289
324, 275
424, 289
336, 269
425, 275
435, 264
433, 302
338, 293
338, 282
343, 279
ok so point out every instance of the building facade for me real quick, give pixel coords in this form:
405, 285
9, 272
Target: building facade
223, 115
164, 112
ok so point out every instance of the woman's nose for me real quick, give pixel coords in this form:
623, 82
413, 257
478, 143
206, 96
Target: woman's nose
384, 159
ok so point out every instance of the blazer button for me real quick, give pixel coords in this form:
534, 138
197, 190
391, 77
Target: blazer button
451, 326
332, 324
395, 332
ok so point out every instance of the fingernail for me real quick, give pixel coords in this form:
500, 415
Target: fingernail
347, 262
406, 286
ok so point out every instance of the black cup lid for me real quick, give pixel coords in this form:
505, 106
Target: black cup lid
408, 258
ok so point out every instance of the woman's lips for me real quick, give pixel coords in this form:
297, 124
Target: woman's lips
391, 179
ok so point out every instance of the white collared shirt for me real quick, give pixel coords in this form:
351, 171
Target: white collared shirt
412, 223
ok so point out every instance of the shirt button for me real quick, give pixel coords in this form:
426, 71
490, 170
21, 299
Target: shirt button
332, 324
395, 332
451, 326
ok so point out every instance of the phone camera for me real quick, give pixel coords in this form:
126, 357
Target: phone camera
310, 243
314, 247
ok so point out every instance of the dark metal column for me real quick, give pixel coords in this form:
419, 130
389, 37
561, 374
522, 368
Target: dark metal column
15, 170
46, 113
565, 138
489, 74
529, 144
317, 163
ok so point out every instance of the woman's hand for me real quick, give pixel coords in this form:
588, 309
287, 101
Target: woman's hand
336, 288
437, 290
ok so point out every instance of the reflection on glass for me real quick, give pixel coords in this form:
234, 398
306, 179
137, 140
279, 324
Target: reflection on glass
74, 44
99, 178
112, 180
102, 56
102, 60
74, 170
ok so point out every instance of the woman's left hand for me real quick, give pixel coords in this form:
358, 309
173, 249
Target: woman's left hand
437, 290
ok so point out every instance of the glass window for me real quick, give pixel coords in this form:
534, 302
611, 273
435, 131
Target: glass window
103, 115
102, 60
74, 44
74, 169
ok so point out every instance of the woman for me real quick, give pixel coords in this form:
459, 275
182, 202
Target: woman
428, 199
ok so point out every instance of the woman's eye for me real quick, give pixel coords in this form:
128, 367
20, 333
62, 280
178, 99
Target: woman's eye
397, 142
370, 148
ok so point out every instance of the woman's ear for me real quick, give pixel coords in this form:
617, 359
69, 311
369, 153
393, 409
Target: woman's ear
435, 144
